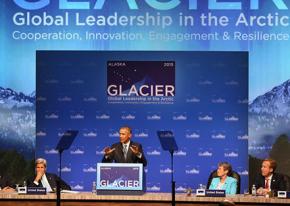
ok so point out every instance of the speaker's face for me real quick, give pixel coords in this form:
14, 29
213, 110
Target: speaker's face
125, 135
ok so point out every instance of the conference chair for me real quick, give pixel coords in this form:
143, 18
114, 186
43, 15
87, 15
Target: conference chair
233, 174
287, 182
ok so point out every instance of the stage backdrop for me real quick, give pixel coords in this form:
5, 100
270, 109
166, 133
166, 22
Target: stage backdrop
200, 96
260, 27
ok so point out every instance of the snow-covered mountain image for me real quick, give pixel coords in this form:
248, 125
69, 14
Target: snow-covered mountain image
269, 117
17, 121
12, 99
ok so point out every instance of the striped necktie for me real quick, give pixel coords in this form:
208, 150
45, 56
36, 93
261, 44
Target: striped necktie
267, 184
125, 150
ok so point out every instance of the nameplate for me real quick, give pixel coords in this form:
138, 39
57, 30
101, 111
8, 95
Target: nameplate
36, 190
22, 190
215, 193
200, 192
283, 194
210, 193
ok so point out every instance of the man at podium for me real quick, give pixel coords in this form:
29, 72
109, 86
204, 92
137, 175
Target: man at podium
125, 151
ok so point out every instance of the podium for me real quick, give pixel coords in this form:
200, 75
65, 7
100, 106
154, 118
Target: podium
120, 179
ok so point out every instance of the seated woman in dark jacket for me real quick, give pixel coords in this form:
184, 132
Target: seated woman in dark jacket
5, 184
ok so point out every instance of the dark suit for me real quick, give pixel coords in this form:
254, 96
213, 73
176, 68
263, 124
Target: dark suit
118, 155
52, 179
277, 182
5, 181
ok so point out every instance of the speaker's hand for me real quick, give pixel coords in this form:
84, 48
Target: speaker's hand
108, 150
135, 149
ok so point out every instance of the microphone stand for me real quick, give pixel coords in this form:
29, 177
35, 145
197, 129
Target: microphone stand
63, 144
58, 188
172, 180
168, 143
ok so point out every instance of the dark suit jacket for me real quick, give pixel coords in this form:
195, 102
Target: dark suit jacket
277, 182
52, 179
118, 155
5, 181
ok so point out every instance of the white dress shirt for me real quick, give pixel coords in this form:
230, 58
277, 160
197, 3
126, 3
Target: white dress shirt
44, 183
269, 181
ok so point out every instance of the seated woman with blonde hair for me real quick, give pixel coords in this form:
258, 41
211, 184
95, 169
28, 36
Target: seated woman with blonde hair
224, 181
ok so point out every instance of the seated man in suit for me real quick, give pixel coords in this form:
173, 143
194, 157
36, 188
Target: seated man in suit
45, 179
125, 151
268, 180
5, 184
223, 181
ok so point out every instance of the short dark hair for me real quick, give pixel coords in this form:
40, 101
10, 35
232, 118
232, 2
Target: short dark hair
227, 166
273, 163
127, 128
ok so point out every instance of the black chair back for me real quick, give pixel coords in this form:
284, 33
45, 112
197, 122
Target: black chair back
287, 182
233, 174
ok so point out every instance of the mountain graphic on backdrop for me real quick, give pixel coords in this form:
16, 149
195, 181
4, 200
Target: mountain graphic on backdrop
12, 99
275, 102
17, 121
269, 117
